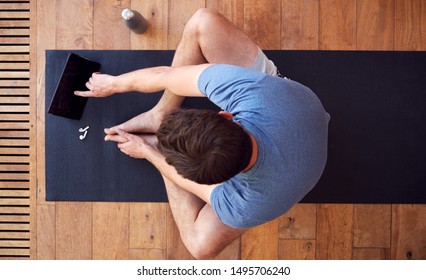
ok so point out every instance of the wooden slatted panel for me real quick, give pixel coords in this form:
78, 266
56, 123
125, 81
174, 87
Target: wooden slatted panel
14, 130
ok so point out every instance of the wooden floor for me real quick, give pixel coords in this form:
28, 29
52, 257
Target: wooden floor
70, 230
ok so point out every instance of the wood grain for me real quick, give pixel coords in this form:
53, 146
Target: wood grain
299, 222
408, 232
337, 25
74, 230
296, 250
410, 25
147, 221
375, 24
371, 254
46, 232
109, 30
262, 22
74, 28
334, 232
110, 231
372, 225
147, 254
260, 243
300, 24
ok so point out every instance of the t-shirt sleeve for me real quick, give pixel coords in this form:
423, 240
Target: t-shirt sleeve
229, 202
225, 85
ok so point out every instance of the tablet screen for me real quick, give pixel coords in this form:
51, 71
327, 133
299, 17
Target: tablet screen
76, 73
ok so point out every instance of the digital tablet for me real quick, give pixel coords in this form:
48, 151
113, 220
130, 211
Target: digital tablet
76, 73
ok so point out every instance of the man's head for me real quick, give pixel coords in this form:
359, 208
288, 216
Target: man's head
204, 146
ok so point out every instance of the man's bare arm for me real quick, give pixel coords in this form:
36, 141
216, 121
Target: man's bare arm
179, 80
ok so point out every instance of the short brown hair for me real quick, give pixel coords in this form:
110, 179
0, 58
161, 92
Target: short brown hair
203, 146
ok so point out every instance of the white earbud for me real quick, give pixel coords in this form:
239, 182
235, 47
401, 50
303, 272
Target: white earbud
83, 129
83, 136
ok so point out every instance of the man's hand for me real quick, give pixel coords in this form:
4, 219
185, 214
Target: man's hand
99, 85
136, 146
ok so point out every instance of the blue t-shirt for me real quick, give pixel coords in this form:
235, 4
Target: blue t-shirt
290, 126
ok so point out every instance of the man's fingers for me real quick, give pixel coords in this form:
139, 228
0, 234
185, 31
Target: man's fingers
83, 93
124, 134
116, 138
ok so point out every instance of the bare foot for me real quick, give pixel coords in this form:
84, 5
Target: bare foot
147, 122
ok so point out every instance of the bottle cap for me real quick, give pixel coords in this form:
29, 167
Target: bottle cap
127, 14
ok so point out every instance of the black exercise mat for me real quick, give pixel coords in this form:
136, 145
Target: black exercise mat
376, 100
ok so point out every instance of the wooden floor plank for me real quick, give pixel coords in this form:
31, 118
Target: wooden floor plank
300, 24
372, 225
260, 243
262, 22
110, 231
371, 254
296, 250
46, 232
73, 230
109, 30
299, 222
375, 24
74, 32
408, 232
147, 254
147, 221
337, 28
410, 25
334, 232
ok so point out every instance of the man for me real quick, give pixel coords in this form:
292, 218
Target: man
274, 157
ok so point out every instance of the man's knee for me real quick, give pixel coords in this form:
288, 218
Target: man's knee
199, 247
201, 20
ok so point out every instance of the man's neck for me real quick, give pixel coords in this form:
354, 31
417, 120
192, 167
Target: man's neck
254, 153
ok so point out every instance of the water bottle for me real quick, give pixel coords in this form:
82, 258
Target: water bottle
134, 20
